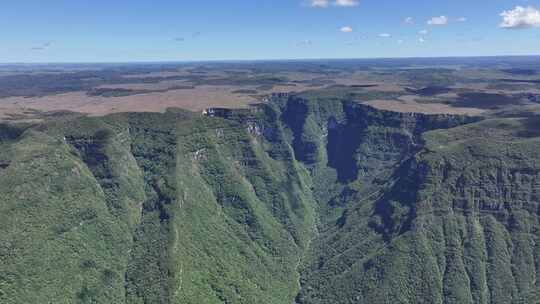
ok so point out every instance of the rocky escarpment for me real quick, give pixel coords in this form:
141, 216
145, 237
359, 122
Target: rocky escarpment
346, 145
447, 216
306, 200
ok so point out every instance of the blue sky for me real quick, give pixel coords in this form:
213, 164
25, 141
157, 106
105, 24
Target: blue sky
185, 30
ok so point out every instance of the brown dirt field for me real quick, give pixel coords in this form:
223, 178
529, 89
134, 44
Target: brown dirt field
196, 99
364, 78
297, 88
411, 106
299, 76
163, 85
157, 74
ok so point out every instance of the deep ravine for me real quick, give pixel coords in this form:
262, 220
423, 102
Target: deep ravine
305, 201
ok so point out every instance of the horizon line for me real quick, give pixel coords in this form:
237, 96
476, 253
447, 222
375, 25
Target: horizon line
263, 60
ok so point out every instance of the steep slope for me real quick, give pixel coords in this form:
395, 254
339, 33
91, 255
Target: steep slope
449, 216
151, 208
307, 200
61, 242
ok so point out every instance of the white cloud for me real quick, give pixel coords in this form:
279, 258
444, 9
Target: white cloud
385, 35
346, 29
520, 17
400, 41
441, 20
461, 19
409, 20
306, 42
327, 3
421, 40
319, 3
423, 32
346, 3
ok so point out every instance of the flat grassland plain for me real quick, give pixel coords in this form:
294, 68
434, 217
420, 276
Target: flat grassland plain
468, 86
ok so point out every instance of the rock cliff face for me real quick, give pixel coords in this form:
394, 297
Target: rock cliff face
296, 200
410, 215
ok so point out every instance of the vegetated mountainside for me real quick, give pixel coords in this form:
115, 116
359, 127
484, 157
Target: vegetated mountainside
443, 216
150, 208
298, 200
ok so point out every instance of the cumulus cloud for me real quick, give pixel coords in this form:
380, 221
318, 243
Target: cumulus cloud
440, 20
385, 35
346, 29
306, 42
421, 40
423, 32
461, 19
346, 3
327, 3
409, 20
319, 3
520, 17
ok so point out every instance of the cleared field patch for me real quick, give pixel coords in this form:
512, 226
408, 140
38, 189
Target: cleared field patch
196, 99
411, 106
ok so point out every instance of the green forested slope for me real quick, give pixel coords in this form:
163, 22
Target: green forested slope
299, 200
60, 242
447, 216
151, 208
